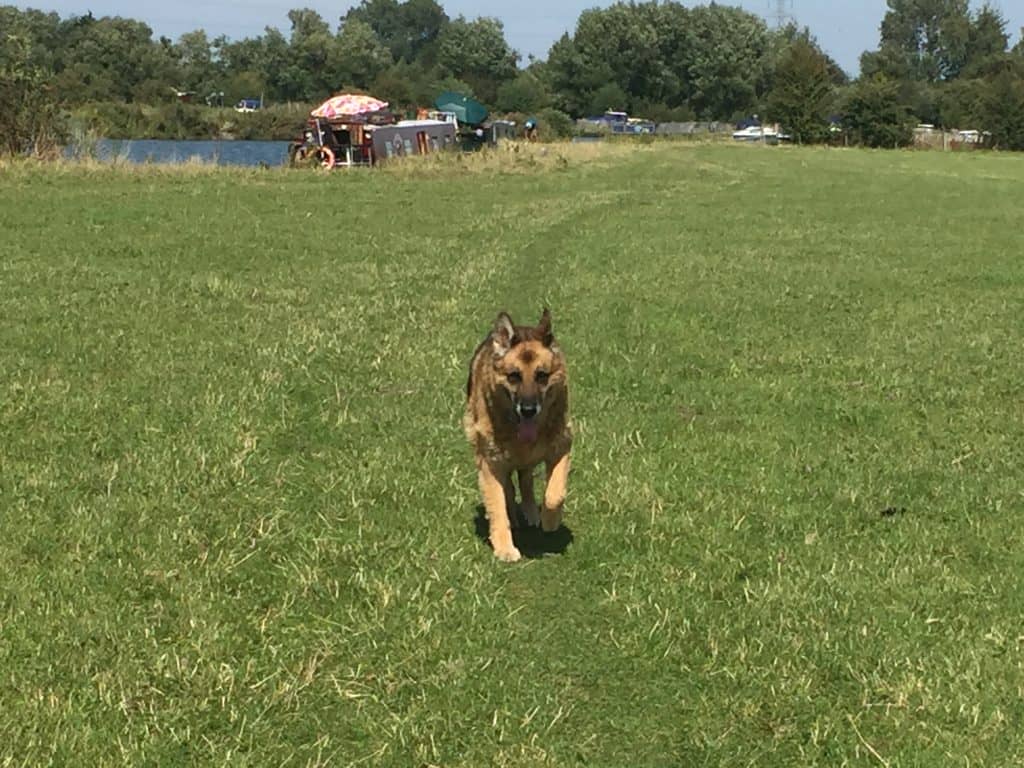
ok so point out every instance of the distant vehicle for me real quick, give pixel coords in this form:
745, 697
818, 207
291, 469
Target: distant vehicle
248, 105
620, 122
973, 136
750, 133
767, 133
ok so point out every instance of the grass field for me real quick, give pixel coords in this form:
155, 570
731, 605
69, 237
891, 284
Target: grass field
239, 514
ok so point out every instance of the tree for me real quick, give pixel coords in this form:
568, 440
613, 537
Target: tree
729, 67
1000, 110
242, 84
875, 116
526, 93
802, 92
409, 30
358, 56
889, 62
932, 35
39, 34
779, 42
710, 60
106, 59
399, 85
199, 71
476, 51
987, 39
626, 42
573, 79
637, 49
957, 103
308, 76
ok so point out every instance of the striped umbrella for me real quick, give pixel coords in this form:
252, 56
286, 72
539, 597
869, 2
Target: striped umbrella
345, 104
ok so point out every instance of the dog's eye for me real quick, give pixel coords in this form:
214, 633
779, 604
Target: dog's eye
541, 376
515, 377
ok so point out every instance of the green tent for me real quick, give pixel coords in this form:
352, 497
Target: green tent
465, 109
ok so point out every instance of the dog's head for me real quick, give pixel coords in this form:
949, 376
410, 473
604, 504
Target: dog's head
529, 367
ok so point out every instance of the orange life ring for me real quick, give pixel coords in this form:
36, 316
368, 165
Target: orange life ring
326, 157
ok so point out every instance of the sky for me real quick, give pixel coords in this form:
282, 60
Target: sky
844, 29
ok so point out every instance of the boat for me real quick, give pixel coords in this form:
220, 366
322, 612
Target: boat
619, 123
350, 130
770, 134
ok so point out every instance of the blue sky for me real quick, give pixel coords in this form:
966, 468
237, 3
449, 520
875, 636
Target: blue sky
531, 26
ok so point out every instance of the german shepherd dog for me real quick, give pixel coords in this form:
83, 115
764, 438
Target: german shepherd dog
517, 416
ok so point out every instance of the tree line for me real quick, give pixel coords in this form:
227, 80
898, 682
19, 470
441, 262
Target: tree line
937, 61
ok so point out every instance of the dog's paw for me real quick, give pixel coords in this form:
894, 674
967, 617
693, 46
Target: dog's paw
551, 518
509, 555
530, 513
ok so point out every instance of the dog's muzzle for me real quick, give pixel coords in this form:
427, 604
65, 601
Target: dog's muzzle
527, 411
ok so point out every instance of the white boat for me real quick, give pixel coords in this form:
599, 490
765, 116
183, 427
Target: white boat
768, 133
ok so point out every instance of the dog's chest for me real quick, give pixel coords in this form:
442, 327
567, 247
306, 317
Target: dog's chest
526, 455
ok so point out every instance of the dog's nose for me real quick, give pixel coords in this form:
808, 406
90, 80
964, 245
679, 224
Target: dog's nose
528, 410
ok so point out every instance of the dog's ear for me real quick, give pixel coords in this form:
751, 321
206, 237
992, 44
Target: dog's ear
504, 330
544, 328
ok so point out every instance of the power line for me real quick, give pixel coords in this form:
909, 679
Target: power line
783, 13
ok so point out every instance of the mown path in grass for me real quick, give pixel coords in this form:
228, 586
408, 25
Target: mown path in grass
239, 510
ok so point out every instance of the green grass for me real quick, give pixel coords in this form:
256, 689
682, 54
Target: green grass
238, 508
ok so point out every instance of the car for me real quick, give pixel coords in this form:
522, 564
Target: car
248, 105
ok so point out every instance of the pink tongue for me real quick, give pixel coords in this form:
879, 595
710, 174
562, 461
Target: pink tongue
527, 431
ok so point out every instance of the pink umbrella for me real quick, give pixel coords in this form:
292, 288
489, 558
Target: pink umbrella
349, 104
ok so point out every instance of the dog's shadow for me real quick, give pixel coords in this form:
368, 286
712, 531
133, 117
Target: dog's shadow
531, 542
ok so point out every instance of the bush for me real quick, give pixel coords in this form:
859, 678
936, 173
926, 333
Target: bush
280, 122
875, 116
30, 118
554, 124
608, 97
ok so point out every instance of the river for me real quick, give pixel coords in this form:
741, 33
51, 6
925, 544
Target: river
251, 153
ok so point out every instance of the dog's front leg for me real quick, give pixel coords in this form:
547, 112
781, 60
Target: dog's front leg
527, 504
511, 508
554, 494
492, 488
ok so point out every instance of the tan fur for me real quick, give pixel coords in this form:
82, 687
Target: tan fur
507, 369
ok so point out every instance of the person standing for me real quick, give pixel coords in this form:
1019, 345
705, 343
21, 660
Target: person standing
531, 129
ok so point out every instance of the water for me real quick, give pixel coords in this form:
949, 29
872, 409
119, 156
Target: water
250, 153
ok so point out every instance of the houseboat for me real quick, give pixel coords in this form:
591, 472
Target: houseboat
353, 141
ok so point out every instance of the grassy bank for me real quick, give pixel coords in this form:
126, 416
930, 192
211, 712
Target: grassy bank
240, 517
187, 121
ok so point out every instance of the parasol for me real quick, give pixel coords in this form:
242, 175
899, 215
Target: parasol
345, 104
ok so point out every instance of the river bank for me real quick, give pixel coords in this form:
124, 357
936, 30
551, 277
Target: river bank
186, 122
